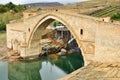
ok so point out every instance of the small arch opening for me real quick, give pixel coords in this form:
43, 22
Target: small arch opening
56, 10
29, 29
81, 31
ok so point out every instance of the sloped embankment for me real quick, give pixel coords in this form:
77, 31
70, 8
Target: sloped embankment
107, 11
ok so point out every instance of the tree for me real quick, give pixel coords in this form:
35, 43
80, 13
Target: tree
2, 9
54, 24
19, 8
10, 5
8, 13
2, 27
39, 9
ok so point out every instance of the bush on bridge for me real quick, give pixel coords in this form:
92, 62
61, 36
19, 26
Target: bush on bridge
116, 16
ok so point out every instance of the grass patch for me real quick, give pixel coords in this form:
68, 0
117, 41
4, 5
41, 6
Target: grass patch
2, 38
2, 41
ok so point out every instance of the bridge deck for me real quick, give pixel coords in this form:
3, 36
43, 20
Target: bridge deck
96, 71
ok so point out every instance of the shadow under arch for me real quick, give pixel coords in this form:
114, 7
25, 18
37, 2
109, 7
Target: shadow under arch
43, 23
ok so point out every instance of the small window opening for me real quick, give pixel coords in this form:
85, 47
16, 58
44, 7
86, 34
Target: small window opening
29, 14
29, 29
81, 31
112, 21
56, 10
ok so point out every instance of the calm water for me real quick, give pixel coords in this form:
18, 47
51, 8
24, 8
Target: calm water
47, 68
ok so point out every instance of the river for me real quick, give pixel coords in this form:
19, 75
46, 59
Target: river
50, 67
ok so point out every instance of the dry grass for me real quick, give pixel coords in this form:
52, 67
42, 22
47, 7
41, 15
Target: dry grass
2, 38
2, 43
92, 5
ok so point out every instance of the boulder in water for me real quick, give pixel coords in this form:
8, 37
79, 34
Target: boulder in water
63, 50
61, 53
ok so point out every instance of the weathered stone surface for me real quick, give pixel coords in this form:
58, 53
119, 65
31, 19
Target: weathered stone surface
91, 72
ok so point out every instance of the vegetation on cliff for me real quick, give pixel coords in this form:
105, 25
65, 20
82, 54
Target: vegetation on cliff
9, 12
11, 7
116, 16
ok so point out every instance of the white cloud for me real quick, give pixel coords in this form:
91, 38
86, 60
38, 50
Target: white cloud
33, 1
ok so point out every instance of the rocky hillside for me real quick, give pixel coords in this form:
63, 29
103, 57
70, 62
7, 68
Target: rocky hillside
97, 8
93, 3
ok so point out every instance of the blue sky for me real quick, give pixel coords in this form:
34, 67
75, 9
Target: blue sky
33, 1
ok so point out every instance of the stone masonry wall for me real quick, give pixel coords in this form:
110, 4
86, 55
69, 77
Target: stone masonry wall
107, 42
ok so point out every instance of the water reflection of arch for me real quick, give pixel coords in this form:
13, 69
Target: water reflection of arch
69, 63
29, 70
23, 71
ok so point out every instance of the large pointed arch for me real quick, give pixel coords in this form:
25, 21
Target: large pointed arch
43, 23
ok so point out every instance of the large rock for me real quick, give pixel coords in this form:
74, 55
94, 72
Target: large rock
63, 50
61, 53
52, 47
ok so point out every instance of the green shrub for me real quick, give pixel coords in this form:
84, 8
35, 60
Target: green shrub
2, 9
54, 24
10, 6
19, 8
116, 16
2, 27
39, 9
6, 17
10, 12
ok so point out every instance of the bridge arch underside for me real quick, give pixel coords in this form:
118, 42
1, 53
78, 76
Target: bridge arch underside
34, 47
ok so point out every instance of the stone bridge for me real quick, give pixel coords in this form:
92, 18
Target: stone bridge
97, 39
